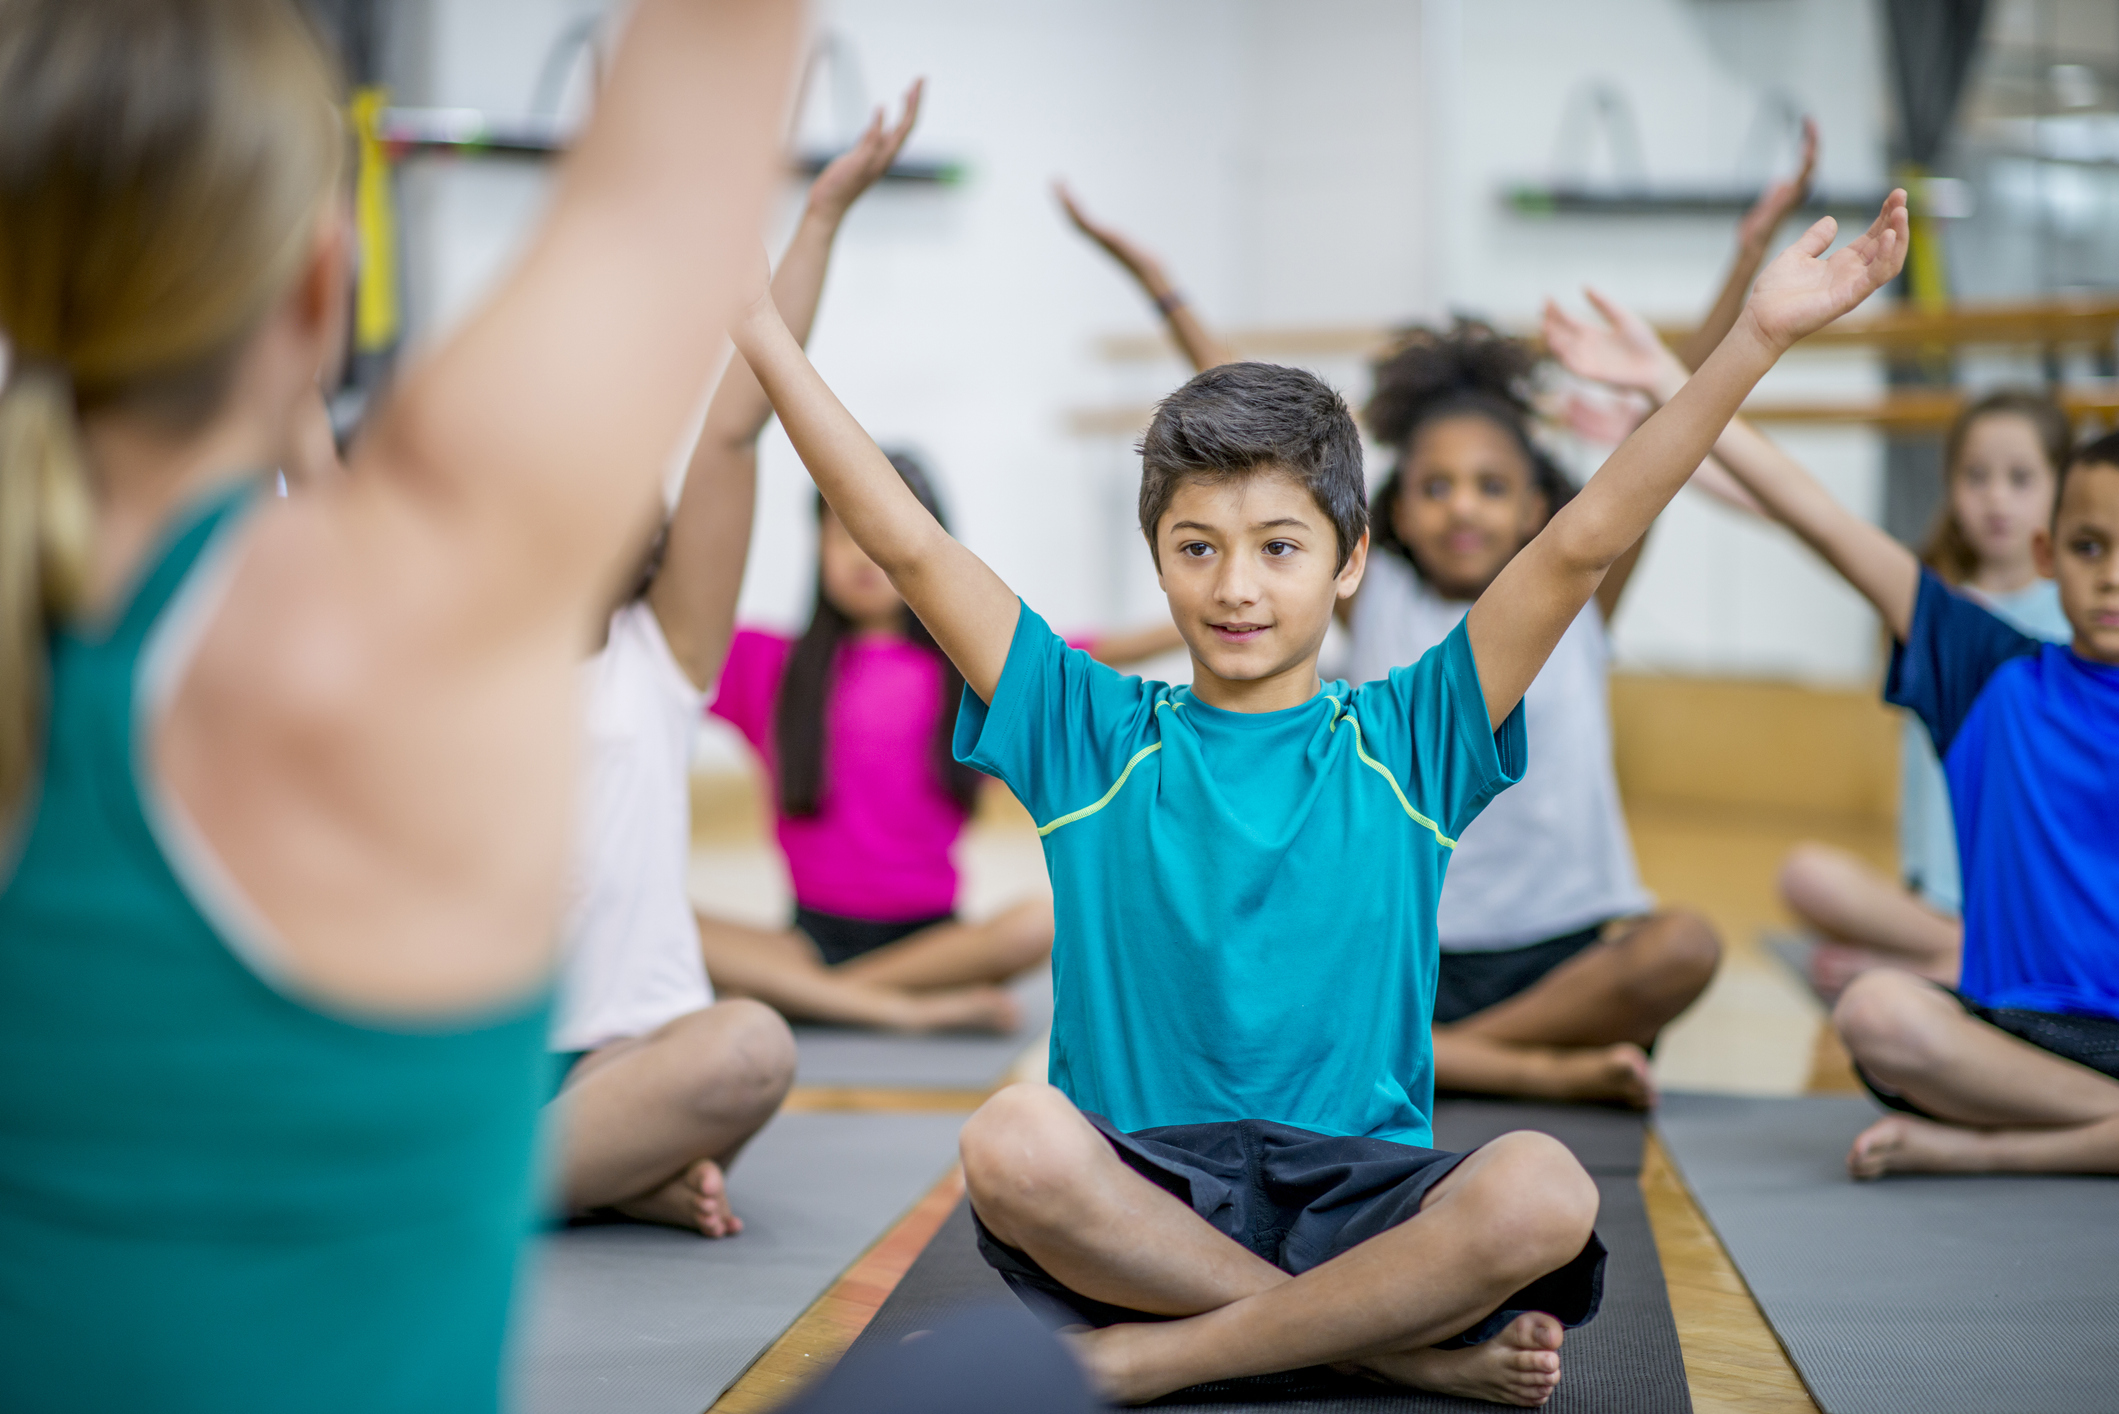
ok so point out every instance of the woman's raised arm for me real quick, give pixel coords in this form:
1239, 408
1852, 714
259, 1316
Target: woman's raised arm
534, 440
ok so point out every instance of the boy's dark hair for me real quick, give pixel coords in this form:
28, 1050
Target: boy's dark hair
2104, 451
1469, 368
1947, 551
805, 684
1239, 418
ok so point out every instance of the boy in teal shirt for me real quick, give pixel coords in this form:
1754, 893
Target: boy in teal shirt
1230, 1175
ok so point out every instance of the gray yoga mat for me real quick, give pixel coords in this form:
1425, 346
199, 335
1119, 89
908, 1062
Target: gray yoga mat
631, 1319
1911, 1295
1626, 1361
1606, 1140
830, 1055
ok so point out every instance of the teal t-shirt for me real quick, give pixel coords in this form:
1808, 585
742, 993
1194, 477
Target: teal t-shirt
1245, 902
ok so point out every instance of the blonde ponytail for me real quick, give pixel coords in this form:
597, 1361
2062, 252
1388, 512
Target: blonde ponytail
45, 522
162, 166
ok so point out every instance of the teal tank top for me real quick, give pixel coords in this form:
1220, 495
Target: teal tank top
213, 1195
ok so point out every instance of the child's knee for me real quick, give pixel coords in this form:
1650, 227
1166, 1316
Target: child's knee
1020, 1150
1808, 877
1685, 953
1893, 1023
1539, 1203
746, 1055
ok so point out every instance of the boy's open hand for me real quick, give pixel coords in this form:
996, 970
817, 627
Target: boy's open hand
1780, 201
1803, 290
858, 168
1621, 350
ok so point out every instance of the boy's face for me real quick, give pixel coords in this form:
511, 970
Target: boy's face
2083, 555
1467, 501
1249, 568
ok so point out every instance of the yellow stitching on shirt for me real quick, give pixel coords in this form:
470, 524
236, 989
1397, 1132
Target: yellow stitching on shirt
1380, 769
1087, 810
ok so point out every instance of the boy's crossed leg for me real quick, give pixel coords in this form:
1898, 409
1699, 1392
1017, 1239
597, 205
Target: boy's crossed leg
1045, 1181
1998, 1103
1582, 1031
649, 1125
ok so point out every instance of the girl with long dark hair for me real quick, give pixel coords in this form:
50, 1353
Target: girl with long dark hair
852, 723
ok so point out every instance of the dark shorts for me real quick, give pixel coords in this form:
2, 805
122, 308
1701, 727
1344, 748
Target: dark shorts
1296, 1199
1470, 982
2086, 1040
844, 939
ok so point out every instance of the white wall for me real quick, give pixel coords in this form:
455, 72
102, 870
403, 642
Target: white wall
1297, 162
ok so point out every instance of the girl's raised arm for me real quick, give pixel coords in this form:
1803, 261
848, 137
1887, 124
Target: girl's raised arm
1202, 348
532, 443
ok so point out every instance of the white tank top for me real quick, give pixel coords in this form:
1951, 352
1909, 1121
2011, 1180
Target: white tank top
632, 958
1550, 855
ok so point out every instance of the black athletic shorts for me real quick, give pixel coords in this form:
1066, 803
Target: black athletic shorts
1295, 1198
1470, 982
2086, 1040
843, 939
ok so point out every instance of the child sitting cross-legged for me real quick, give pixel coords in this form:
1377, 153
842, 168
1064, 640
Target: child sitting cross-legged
1231, 1174
2017, 1067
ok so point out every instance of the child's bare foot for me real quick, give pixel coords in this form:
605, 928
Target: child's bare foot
1520, 1366
961, 1009
1904, 1144
1833, 966
1617, 1072
696, 1199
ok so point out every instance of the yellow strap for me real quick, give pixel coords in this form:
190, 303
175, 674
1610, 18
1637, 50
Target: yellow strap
375, 312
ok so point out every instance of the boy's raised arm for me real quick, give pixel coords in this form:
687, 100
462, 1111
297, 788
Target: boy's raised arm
1625, 352
1518, 620
694, 594
967, 608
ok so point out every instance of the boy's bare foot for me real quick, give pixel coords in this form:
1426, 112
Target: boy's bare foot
960, 1009
696, 1199
1904, 1144
1520, 1366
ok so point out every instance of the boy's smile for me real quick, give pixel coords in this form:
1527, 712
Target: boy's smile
1251, 566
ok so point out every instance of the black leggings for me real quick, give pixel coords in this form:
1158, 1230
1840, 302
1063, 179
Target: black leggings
841, 939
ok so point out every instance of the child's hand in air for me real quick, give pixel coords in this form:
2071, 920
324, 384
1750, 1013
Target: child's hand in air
1779, 201
858, 168
1621, 350
1803, 290
1144, 266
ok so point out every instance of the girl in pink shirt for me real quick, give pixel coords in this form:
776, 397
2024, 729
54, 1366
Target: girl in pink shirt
852, 723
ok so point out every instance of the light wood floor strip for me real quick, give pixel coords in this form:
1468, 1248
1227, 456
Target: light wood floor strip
820, 1335
1732, 1360
804, 1099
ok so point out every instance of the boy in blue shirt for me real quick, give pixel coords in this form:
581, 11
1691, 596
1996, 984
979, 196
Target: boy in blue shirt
2017, 1068
1230, 1174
